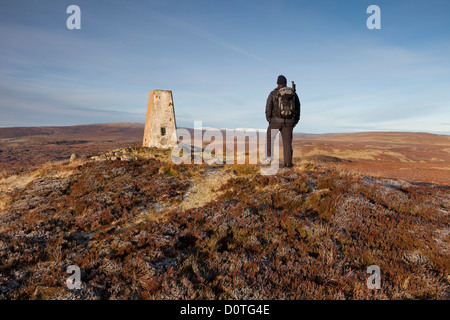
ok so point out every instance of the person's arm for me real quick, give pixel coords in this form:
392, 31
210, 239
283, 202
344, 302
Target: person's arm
269, 107
297, 109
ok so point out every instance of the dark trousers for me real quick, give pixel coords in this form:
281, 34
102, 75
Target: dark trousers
286, 135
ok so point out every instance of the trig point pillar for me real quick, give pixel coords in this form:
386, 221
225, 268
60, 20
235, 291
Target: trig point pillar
160, 126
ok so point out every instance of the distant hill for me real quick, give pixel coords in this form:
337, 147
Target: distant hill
406, 155
89, 130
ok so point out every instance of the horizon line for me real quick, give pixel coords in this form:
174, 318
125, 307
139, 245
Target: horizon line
240, 128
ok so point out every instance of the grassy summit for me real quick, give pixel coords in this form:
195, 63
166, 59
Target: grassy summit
149, 229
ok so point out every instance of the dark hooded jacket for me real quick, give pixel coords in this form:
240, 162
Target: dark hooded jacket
273, 109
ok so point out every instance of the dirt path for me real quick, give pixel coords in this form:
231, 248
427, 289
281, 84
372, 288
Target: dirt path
203, 190
205, 187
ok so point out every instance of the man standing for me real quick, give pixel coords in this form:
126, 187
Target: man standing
283, 114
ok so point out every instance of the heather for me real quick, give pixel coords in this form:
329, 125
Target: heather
149, 229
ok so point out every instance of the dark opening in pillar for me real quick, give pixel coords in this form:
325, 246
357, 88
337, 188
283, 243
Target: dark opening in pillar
163, 131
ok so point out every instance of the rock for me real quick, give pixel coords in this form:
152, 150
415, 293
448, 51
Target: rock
132, 154
293, 176
73, 157
126, 157
99, 158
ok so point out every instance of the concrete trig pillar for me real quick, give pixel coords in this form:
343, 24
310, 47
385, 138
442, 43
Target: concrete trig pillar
160, 126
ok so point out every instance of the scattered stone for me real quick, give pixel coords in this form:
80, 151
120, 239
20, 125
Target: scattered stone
73, 157
133, 154
293, 176
99, 158
127, 157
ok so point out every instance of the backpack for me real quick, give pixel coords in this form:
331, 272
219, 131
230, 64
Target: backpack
286, 102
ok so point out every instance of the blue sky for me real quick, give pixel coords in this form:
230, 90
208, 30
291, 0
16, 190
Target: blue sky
221, 59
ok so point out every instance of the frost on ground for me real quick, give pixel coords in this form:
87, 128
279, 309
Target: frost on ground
140, 227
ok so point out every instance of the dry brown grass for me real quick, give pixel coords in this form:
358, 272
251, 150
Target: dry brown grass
138, 231
400, 155
150, 229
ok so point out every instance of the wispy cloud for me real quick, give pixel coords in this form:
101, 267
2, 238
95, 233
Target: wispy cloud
203, 34
221, 65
